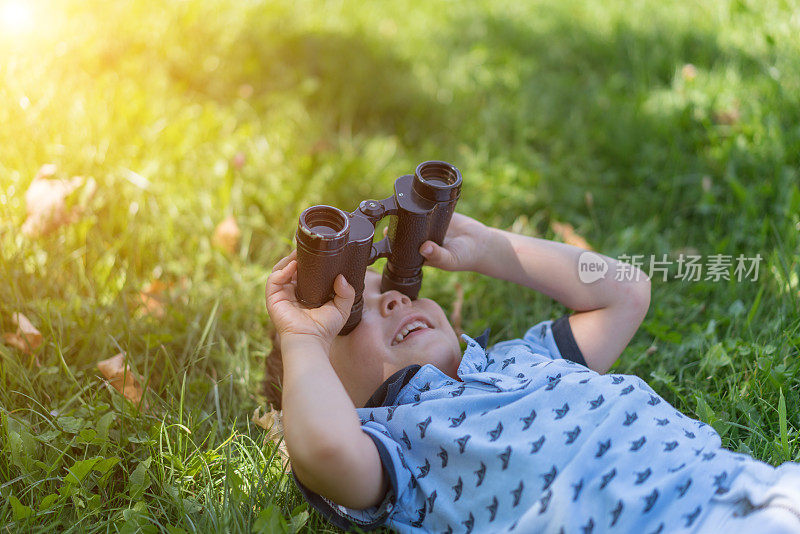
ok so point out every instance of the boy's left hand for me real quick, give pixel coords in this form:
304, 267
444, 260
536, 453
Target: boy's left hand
461, 248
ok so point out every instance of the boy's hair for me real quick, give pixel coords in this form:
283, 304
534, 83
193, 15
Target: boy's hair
273, 379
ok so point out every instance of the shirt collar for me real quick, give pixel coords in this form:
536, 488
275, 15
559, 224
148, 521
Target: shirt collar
483, 339
386, 394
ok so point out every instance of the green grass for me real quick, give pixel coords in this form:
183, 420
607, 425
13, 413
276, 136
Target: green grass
572, 111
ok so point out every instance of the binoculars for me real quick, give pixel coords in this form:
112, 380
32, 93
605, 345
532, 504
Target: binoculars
330, 241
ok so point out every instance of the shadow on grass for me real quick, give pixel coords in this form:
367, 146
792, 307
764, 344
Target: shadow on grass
580, 109
585, 103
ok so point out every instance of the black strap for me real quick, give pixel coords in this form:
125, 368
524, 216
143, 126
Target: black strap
386, 394
565, 340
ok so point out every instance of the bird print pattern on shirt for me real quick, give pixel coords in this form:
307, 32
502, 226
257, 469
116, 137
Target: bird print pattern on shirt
481, 472
423, 426
497, 432
505, 456
549, 477
561, 412
456, 421
572, 435
577, 490
528, 420
443, 455
493, 509
469, 467
602, 447
615, 513
517, 493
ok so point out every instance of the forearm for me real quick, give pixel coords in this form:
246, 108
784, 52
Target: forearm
323, 433
610, 310
551, 268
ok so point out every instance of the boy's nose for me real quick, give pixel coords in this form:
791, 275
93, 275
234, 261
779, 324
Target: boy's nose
391, 299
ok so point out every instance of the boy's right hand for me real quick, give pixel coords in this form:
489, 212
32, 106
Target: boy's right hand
462, 246
296, 323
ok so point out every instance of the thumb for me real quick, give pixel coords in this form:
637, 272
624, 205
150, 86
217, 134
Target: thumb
344, 295
436, 256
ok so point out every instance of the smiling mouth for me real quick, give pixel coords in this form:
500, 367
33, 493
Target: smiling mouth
411, 329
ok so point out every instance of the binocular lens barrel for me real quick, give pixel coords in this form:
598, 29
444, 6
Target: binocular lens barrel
437, 181
323, 228
322, 234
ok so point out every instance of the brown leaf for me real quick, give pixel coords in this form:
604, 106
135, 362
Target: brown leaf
27, 338
238, 160
455, 316
226, 235
151, 299
119, 374
45, 201
566, 232
245, 91
728, 117
322, 145
271, 422
689, 72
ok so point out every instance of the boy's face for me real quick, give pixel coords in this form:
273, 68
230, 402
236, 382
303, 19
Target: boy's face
371, 353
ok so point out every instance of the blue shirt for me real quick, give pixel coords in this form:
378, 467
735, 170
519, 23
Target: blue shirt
529, 441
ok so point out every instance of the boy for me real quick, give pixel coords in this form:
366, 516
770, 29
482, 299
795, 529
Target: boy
392, 425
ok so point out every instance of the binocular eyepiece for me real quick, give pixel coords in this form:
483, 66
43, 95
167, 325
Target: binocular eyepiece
330, 241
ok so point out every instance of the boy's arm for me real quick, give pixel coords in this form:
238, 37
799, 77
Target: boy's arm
608, 311
330, 453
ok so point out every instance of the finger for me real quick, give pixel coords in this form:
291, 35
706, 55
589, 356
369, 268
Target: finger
283, 275
385, 231
279, 290
285, 261
344, 295
278, 279
436, 256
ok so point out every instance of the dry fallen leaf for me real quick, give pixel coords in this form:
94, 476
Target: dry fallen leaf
728, 117
238, 160
271, 422
689, 72
568, 235
245, 91
151, 299
455, 316
589, 199
46, 201
226, 235
27, 338
119, 374
322, 145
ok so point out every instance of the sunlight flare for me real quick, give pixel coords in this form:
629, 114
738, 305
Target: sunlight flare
16, 17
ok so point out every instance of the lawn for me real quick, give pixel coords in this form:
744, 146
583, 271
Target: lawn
650, 129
